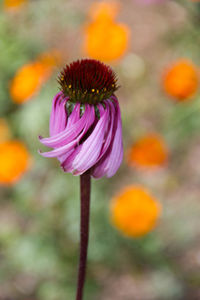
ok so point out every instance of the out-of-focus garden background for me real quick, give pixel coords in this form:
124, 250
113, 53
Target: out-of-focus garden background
144, 247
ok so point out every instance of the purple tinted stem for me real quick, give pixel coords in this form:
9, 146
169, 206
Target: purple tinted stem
85, 185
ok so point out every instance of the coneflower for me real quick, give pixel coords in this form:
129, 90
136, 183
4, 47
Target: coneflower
86, 133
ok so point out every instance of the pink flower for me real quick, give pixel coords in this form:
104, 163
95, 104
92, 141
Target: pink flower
85, 123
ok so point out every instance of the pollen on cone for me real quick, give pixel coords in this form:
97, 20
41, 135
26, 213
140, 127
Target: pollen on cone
181, 80
14, 161
104, 38
148, 151
134, 211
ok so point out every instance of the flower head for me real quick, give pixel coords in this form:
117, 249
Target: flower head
148, 151
134, 211
85, 122
14, 161
181, 80
88, 81
104, 38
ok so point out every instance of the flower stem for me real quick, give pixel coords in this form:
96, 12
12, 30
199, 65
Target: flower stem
85, 184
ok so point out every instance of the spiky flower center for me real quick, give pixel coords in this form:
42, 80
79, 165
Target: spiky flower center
88, 81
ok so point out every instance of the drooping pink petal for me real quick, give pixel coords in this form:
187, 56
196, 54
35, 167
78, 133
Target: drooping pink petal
91, 148
109, 130
52, 116
67, 165
112, 159
116, 154
70, 133
63, 158
58, 118
63, 150
90, 120
59, 151
100, 169
74, 116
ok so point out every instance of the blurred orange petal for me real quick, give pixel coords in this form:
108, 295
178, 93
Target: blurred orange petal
181, 80
148, 151
104, 10
27, 82
29, 78
13, 4
105, 39
14, 161
134, 211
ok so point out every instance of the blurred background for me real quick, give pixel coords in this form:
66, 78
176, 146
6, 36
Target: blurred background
145, 221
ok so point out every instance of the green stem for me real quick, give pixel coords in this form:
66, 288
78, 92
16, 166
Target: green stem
85, 186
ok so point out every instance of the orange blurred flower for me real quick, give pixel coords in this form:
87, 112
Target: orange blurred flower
13, 4
14, 161
27, 82
4, 131
148, 151
105, 39
134, 212
181, 80
104, 10
30, 77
